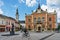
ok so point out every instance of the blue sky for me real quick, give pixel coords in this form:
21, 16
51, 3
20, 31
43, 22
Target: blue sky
8, 7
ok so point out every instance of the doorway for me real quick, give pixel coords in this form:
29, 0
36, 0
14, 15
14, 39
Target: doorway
39, 29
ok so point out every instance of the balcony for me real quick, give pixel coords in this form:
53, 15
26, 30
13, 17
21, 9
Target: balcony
39, 22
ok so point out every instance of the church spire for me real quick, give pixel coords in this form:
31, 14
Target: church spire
39, 5
17, 14
17, 11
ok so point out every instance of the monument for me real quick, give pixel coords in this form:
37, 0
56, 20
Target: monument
12, 30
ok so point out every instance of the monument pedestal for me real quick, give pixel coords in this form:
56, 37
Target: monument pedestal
12, 33
12, 30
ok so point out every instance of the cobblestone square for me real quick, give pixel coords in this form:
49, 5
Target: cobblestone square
33, 36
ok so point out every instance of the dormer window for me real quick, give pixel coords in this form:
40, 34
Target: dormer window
39, 11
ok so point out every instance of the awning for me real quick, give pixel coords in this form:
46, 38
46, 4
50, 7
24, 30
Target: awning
2, 25
8, 26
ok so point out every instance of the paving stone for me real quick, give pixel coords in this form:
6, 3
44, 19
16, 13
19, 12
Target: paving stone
33, 36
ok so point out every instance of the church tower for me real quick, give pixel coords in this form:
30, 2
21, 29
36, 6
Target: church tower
17, 15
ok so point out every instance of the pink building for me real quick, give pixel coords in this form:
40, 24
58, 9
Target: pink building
5, 22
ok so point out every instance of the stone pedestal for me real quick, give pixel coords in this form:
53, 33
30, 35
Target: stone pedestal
12, 33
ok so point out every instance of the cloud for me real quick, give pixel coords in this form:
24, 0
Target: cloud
1, 3
1, 12
31, 3
21, 1
54, 5
44, 7
58, 12
49, 9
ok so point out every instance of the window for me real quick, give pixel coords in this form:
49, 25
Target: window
50, 19
9, 23
6, 23
29, 20
43, 19
2, 21
34, 20
39, 19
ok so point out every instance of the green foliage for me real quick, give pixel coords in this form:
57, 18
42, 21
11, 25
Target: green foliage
29, 29
20, 26
42, 29
49, 29
53, 29
58, 27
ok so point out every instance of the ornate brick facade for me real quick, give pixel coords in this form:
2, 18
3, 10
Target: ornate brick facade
41, 20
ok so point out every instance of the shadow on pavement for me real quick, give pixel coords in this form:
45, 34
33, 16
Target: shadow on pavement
46, 37
9, 34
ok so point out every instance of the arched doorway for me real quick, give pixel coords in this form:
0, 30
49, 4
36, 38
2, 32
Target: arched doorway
39, 29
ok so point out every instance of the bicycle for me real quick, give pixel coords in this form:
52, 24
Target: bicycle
26, 35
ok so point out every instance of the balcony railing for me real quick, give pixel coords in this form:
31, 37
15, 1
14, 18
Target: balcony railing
38, 22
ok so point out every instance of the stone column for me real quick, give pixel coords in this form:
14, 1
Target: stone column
46, 21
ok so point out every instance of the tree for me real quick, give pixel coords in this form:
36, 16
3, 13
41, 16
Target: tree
20, 26
58, 27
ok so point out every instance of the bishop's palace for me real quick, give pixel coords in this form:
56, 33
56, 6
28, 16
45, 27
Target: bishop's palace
41, 20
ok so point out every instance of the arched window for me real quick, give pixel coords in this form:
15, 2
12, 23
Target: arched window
39, 19
34, 20
43, 19
50, 19
29, 20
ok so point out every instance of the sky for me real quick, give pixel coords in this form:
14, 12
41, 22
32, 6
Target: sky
8, 7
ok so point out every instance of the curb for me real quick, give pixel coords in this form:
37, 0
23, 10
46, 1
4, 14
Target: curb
46, 36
